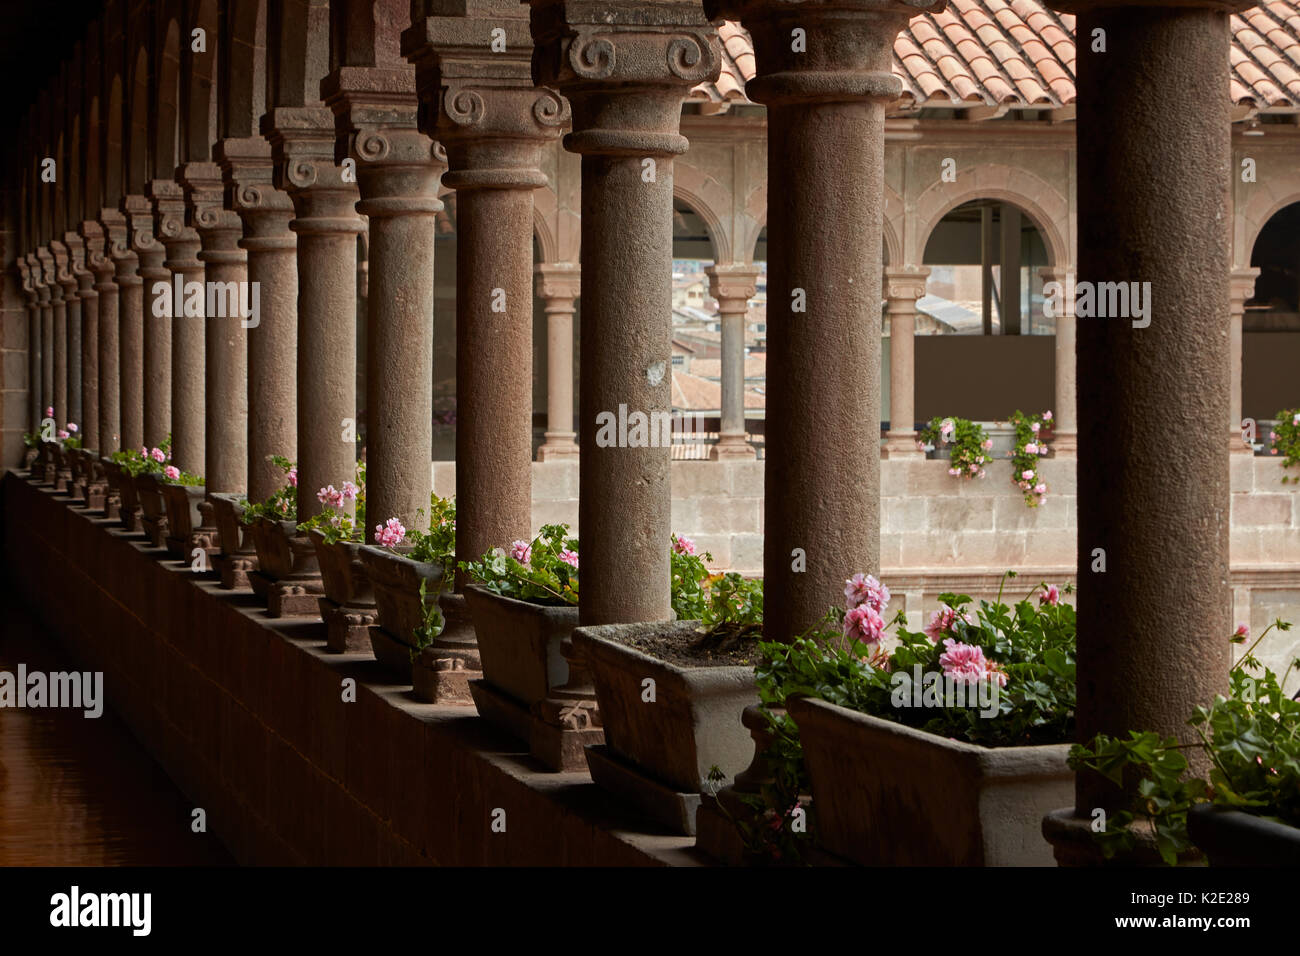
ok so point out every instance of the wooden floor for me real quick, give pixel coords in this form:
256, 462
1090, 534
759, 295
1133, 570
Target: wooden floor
82, 792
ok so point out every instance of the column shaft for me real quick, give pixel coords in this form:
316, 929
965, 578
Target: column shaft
558, 286
89, 300
187, 362
110, 428
130, 345
60, 310
225, 421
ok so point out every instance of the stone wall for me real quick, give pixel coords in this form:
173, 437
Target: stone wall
940, 533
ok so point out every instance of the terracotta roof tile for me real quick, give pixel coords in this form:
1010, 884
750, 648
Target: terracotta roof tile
1021, 53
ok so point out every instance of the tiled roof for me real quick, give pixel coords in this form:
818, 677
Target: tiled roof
1021, 54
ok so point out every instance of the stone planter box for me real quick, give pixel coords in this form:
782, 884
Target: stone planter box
148, 489
889, 795
348, 606
1235, 838
231, 552
287, 575
658, 754
530, 687
183, 517
130, 506
396, 581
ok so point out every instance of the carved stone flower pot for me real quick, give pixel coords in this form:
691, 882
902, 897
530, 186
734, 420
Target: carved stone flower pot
112, 474
889, 795
348, 606
274, 559
529, 687
62, 468
148, 489
442, 671
183, 518
235, 559
1236, 838
96, 490
289, 561
663, 738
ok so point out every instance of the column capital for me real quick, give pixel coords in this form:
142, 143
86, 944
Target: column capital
45, 274
845, 54
904, 285
139, 218
558, 280
474, 74
62, 280
1241, 288
177, 237
79, 251
97, 259
25, 275
737, 281
625, 67
248, 170
303, 150
205, 200
116, 246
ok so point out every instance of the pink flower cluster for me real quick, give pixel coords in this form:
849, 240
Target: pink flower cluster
158, 455
966, 664
293, 477
683, 544
1051, 594
569, 557
944, 621
865, 599
390, 534
521, 551
332, 497
172, 473
72, 427
49, 411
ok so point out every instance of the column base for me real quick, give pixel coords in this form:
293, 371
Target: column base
557, 445
155, 529
612, 773
439, 679
901, 445
732, 447
347, 629
1075, 844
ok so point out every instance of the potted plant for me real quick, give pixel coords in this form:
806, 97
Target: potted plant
130, 465
1284, 440
182, 493
960, 441
943, 747
68, 441
1248, 812
149, 493
348, 606
263, 521
409, 572
671, 695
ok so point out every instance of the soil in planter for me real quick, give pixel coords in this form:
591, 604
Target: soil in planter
693, 649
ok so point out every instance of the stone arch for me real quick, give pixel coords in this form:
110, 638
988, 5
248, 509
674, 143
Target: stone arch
244, 65
198, 78
706, 196
542, 230
1268, 197
137, 169
92, 181
166, 145
113, 134
1045, 206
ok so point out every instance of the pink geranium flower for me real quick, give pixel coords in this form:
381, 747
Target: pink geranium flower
1031, 449
863, 623
944, 621
62, 434
521, 551
1242, 632
158, 455
390, 534
49, 411
683, 544
293, 476
569, 557
966, 664
72, 427
1047, 415
330, 496
349, 491
865, 589
1050, 595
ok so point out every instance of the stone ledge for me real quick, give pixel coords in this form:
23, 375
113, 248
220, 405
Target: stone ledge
246, 715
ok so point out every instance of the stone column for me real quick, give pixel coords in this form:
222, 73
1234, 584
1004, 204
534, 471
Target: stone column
89, 299
182, 245
58, 283
902, 289
733, 287
1065, 430
1242, 288
44, 290
225, 410
72, 296
558, 286
826, 116
326, 223
273, 343
130, 324
99, 240
625, 69
156, 329
1155, 618
397, 177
